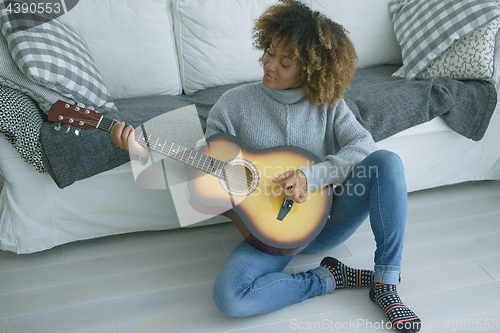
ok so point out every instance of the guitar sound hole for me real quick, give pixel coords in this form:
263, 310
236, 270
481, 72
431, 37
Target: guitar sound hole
239, 178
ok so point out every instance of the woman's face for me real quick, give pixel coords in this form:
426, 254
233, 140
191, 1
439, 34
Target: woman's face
280, 70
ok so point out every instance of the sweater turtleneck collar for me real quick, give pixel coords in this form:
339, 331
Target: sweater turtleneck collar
288, 96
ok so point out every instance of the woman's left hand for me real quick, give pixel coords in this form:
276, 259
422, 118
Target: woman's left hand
293, 185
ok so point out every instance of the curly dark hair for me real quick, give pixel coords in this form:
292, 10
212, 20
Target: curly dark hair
319, 46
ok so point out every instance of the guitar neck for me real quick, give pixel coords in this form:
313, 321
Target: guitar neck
172, 150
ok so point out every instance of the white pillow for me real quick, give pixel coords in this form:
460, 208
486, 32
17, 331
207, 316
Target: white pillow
370, 26
132, 44
214, 41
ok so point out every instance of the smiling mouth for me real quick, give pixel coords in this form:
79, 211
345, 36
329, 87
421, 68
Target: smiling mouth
269, 77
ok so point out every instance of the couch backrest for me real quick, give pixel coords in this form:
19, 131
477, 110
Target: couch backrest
132, 43
166, 46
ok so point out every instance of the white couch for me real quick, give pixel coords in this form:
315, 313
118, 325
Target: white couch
152, 47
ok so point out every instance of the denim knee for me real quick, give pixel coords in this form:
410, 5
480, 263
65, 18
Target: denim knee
386, 164
227, 302
386, 158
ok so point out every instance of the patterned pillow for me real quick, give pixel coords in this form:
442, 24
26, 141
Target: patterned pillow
470, 57
54, 55
20, 124
11, 76
426, 28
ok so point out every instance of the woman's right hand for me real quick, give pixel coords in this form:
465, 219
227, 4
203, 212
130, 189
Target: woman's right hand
124, 138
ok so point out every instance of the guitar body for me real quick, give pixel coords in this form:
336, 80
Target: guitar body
250, 199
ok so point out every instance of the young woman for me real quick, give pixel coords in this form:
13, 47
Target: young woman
308, 63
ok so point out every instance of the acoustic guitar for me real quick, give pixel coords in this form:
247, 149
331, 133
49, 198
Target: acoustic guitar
229, 178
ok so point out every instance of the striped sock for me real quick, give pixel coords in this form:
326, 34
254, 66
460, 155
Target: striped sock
345, 276
401, 318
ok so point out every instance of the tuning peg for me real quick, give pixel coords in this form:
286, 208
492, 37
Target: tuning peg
57, 127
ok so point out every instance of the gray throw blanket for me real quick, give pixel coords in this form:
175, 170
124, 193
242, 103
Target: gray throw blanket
386, 105
383, 104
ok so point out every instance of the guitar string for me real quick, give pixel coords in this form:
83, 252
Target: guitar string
205, 163
209, 164
231, 175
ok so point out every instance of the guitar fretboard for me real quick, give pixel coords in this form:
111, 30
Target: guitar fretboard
174, 151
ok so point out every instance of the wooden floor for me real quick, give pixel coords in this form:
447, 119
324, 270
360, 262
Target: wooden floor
162, 281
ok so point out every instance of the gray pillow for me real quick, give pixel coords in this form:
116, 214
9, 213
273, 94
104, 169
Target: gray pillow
55, 56
426, 28
12, 77
471, 57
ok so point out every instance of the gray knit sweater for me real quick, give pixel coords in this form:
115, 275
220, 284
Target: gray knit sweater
264, 118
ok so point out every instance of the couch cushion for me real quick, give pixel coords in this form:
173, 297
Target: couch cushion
370, 27
425, 29
132, 44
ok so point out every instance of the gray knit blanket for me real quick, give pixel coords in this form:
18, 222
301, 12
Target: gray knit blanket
383, 104
386, 105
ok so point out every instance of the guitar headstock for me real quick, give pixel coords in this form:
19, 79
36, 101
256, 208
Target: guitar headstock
69, 114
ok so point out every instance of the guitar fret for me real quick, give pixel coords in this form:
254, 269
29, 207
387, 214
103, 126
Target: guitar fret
175, 153
99, 123
183, 153
202, 161
198, 164
191, 159
214, 165
110, 126
105, 124
164, 144
220, 168
205, 164
197, 160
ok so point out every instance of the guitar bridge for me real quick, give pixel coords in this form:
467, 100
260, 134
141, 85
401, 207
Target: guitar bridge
286, 206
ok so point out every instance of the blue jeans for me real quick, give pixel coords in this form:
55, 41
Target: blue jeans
250, 282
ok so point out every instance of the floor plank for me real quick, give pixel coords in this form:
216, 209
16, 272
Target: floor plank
127, 243
458, 303
110, 287
13, 262
108, 266
419, 234
113, 311
106, 329
491, 265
